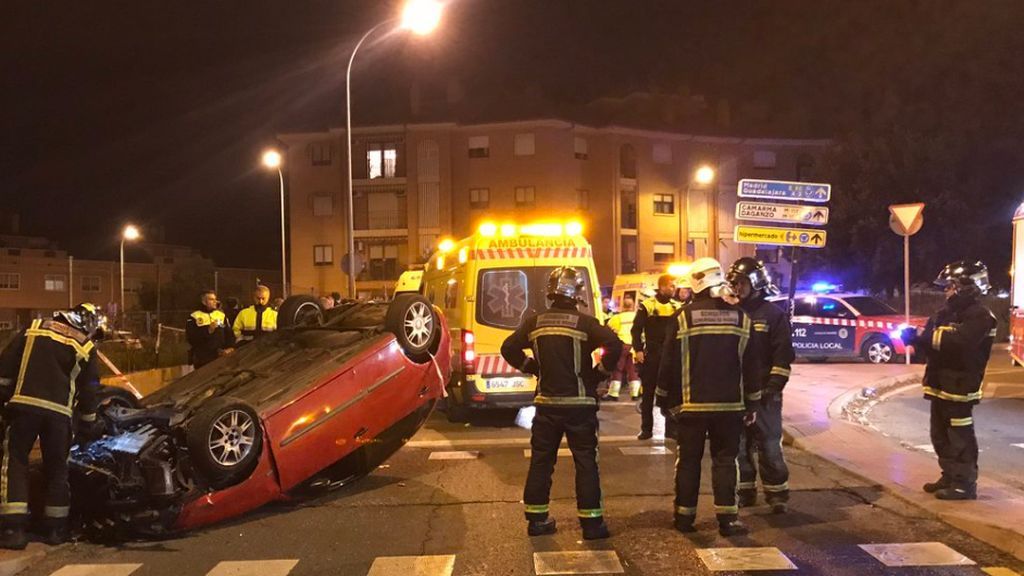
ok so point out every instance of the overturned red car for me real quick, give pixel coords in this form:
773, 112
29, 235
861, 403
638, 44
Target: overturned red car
322, 401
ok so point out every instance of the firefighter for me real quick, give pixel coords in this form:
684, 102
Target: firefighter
622, 324
652, 321
752, 284
44, 371
562, 340
710, 382
207, 331
957, 341
256, 320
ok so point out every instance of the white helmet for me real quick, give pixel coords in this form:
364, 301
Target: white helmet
706, 273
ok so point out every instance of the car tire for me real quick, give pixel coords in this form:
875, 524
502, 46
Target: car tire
116, 397
413, 321
878, 350
225, 440
302, 310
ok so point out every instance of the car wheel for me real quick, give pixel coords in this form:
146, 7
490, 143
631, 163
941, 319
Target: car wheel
878, 350
302, 310
415, 325
225, 439
111, 396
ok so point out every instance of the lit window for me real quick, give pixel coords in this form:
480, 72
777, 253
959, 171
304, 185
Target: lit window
664, 204
323, 254
91, 284
10, 281
662, 153
55, 283
479, 146
664, 252
524, 145
525, 196
381, 160
764, 159
323, 205
580, 149
479, 197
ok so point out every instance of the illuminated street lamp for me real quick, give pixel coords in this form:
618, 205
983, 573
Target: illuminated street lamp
131, 234
420, 17
704, 175
272, 160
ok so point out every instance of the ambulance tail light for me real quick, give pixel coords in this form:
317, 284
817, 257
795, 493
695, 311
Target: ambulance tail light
468, 352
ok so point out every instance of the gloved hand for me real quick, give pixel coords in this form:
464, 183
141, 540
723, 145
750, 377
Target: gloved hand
89, 431
749, 418
531, 366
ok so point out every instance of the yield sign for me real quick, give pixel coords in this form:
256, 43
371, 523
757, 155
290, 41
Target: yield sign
906, 217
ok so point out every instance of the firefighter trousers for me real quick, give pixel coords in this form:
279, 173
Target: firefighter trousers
723, 429
952, 432
649, 380
21, 429
579, 426
762, 441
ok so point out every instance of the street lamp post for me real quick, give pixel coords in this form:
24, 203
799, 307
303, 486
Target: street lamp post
705, 176
420, 17
272, 160
130, 232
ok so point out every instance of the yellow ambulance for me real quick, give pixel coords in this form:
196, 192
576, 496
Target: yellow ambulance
641, 285
486, 285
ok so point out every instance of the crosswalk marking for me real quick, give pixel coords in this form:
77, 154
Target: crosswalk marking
455, 455
97, 570
1017, 445
925, 448
645, 450
254, 568
413, 566
580, 562
561, 452
742, 559
999, 571
917, 554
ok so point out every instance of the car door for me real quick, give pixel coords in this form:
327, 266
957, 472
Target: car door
834, 329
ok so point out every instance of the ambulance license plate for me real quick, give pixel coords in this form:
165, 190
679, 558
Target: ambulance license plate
506, 384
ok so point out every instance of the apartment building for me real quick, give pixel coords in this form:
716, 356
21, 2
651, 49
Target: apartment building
634, 190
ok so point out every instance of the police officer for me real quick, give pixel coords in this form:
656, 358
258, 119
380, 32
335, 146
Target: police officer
43, 371
562, 340
207, 331
622, 325
652, 321
752, 284
709, 378
957, 341
256, 320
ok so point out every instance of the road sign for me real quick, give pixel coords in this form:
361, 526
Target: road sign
783, 190
768, 212
906, 219
779, 236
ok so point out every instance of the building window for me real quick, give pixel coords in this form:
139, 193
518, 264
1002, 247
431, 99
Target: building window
583, 199
629, 254
381, 159
524, 144
662, 153
628, 209
91, 284
10, 281
323, 255
132, 285
479, 197
525, 196
479, 147
664, 252
664, 204
6, 325
323, 205
321, 154
383, 264
764, 159
55, 283
627, 162
580, 149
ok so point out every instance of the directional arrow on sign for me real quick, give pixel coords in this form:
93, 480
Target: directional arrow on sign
819, 216
817, 240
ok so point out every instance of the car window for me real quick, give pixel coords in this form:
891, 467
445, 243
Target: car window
832, 308
868, 306
507, 295
804, 307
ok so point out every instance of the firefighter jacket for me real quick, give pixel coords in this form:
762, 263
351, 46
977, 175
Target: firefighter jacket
958, 341
563, 341
710, 361
653, 318
48, 367
207, 345
622, 325
254, 321
771, 328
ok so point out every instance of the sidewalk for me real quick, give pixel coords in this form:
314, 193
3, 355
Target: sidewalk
820, 411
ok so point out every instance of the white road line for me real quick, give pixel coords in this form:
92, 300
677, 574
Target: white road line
457, 455
254, 568
917, 554
412, 566
1017, 445
925, 448
97, 570
504, 442
645, 450
743, 559
581, 562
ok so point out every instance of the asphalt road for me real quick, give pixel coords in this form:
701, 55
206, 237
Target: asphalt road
997, 421
469, 512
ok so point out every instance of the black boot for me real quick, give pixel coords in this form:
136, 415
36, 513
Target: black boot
644, 435
684, 524
746, 498
779, 507
595, 531
733, 528
958, 492
13, 538
933, 487
541, 528
57, 535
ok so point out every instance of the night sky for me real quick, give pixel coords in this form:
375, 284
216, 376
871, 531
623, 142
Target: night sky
157, 112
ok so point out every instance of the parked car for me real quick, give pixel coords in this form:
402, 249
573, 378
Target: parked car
322, 401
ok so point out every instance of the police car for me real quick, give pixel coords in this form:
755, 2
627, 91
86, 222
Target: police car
846, 326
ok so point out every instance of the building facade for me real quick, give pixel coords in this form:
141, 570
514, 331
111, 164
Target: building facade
634, 191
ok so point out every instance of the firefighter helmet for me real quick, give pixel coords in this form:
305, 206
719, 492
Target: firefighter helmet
567, 282
760, 280
86, 317
706, 273
970, 278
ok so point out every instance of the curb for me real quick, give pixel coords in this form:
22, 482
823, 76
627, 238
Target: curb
852, 406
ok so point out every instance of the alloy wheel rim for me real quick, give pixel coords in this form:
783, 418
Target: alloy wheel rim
232, 437
419, 324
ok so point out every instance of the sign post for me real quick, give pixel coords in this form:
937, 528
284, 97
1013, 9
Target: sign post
906, 220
